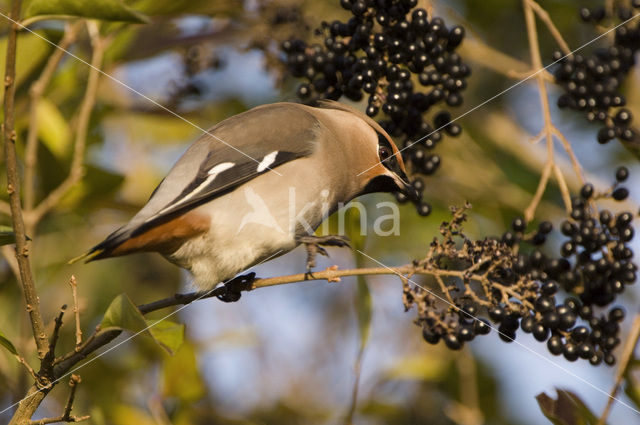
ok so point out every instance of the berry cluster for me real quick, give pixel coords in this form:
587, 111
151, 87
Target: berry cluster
400, 58
517, 285
592, 83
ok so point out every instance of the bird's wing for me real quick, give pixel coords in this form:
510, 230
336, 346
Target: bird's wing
228, 155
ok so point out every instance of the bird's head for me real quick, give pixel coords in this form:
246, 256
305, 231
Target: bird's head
387, 173
380, 167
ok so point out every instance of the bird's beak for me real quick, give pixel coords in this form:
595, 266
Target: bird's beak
408, 189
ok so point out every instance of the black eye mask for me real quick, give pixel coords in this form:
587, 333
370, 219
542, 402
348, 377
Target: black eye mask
391, 163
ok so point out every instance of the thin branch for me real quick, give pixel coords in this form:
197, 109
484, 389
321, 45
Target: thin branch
76, 311
444, 290
36, 92
29, 369
13, 188
497, 61
564, 189
76, 171
530, 211
577, 168
66, 415
627, 355
608, 7
51, 354
549, 129
546, 19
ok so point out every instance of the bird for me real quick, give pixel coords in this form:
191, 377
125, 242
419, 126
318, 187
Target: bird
257, 185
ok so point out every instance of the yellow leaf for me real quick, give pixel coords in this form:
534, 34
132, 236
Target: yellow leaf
53, 129
126, 415
419, 368
181, 375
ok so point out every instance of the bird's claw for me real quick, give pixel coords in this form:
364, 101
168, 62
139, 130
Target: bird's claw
233, 288
314, 247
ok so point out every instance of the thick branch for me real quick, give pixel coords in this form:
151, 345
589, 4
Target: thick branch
66, 415
13, 188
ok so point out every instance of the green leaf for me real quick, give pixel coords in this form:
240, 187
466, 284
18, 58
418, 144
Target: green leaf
632, 391
200, 7
568, 409
106, 10
169, 335
53, 128
123, 314
7, 344
181, 377
6, 235
32, 51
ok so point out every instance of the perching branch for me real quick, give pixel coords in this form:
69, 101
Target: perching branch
76, 171
13, 188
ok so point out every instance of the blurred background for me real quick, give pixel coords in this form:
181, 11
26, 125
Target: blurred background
288, 354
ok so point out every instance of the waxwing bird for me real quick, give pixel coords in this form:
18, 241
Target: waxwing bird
257, 185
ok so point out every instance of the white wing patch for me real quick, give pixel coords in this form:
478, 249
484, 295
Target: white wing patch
267, 161
224, 166
212, 174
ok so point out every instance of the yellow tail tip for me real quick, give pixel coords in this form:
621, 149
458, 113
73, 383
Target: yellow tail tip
87, 256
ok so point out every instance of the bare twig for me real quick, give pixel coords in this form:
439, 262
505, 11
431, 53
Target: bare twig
443, 288
13, 187
51, 354
497, 61
530, 211
76, 311
546, 19
562, 184
76, 171
549, 129
577, 168
608, 6
66, 415
29, 369
36, 92
627, 355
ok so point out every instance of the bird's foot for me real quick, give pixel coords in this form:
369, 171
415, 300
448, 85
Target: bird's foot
232, 289
314, 245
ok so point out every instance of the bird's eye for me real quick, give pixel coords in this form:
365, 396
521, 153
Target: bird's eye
384, 152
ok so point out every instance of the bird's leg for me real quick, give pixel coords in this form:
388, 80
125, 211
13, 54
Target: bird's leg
314, 245
233, 288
